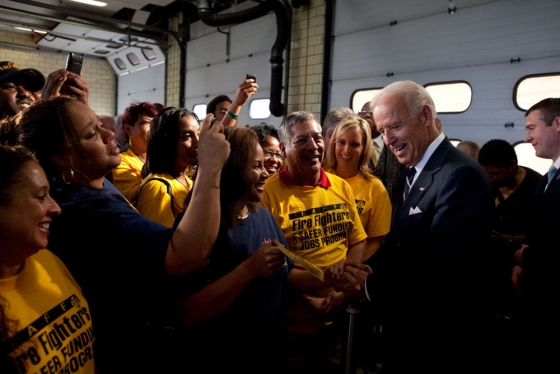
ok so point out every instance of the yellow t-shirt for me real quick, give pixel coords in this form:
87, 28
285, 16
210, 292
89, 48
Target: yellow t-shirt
155, 203
127, 177
319, 223
54, 328
373, 204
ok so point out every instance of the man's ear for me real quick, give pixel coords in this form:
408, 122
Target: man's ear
427, 116
283, 148
556, 123
329, 134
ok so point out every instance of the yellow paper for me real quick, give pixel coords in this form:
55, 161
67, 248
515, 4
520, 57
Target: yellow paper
313, 269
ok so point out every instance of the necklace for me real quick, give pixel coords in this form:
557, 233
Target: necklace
246, 215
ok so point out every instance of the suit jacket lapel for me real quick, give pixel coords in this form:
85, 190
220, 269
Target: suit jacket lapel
422, 184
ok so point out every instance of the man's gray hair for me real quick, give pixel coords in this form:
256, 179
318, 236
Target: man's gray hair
285, 129
414, 94
335, 116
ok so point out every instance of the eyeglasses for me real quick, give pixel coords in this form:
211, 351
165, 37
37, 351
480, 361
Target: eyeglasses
365, 111
270, 154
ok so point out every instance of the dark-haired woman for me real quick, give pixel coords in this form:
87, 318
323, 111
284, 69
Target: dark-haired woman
119, 257
136, 120
172, 156
236, 318
42, 309
270, 143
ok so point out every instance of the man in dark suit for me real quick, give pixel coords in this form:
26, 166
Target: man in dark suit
420, 282
537, 279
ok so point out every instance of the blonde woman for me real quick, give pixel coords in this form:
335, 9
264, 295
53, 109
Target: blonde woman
348, 155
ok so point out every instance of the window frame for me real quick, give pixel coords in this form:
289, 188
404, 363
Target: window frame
525, 77
448, 83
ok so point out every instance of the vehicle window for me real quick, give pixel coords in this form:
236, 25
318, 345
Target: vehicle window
200, 110
531, 89
526, 157
450, 97
360, 97
259, 109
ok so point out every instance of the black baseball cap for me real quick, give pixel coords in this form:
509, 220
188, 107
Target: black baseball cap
32, 79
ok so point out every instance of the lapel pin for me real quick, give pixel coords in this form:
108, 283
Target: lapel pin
422, 188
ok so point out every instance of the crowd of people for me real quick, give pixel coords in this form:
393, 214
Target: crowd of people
196, 242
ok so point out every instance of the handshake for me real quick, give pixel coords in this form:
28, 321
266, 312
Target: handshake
349, 277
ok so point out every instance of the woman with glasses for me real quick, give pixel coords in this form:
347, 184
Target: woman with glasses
171, 159
270, 143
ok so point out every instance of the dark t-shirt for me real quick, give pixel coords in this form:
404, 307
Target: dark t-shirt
248, 335
514, 213
117, 257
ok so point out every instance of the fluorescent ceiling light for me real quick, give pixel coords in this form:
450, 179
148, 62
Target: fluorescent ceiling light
22, 28
91, 2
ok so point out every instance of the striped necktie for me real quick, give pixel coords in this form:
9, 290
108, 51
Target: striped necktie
551, 173
409, 178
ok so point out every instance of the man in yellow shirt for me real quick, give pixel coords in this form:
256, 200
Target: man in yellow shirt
317, 213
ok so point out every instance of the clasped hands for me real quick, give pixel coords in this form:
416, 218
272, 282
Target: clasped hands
348, 276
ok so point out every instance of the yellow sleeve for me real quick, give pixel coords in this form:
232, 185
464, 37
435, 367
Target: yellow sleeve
155, 203
126, 178
379, 221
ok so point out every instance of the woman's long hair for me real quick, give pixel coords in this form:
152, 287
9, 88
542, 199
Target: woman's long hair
363, 165
162, 141
45, 128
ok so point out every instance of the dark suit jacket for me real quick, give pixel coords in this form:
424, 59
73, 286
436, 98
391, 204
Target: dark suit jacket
541, 259
422, 286
541, 279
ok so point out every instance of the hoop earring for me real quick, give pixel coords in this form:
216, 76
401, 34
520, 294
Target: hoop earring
71, 177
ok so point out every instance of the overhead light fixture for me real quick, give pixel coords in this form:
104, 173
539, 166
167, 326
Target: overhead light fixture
23, 29
91, 2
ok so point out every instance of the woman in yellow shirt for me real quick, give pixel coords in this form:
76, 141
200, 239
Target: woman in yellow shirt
348, 156
42, 309
136, 120
171, 159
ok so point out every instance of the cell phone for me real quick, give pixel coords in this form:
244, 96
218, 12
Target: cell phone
253, 77
74, 62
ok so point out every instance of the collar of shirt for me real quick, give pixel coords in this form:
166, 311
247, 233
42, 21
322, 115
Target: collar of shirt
380, 144
429, 152
287, 179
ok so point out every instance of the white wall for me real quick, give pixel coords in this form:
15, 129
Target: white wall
143, 85
428, 45
210, 75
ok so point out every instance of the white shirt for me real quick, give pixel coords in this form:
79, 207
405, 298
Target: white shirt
426, 157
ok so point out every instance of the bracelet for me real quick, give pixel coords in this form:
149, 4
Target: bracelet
233, 115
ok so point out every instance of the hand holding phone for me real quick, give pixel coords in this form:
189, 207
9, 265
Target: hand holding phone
74, 62
253, 77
